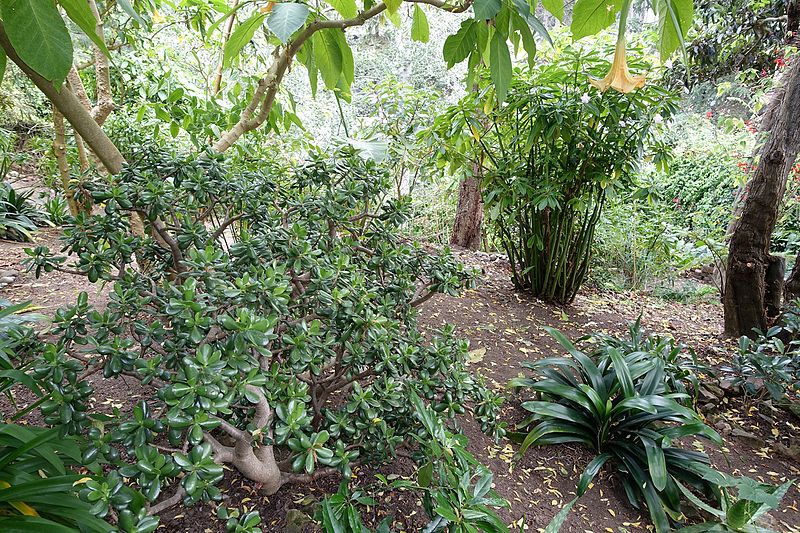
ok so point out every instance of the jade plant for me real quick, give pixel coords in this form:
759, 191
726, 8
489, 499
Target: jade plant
269, 317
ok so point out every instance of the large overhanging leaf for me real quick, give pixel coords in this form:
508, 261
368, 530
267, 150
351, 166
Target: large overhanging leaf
500, 65
458, 46
420, 31
2, 64
556, 7
589, 17
285, 19
39, 36
328, 57
81, 14
674, 20
486, 9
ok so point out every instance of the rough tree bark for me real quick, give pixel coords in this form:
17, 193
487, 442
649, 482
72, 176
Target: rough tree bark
749, 259
792, 288
469, 214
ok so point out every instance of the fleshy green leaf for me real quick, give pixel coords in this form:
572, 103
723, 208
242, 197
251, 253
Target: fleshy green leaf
285, 19
39, 36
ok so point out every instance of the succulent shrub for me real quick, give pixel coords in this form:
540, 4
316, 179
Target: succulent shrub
270, 318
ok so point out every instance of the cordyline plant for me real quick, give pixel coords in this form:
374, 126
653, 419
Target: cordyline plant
272, 321
555, 151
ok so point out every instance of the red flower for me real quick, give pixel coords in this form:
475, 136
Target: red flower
780, 62
750, 126
709, 114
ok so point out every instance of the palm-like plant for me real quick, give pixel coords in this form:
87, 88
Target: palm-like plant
620, 406
37, 490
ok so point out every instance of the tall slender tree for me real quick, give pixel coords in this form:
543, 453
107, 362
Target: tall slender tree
754, 280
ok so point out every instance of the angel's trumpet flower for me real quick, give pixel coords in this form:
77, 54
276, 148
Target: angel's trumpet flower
619, 77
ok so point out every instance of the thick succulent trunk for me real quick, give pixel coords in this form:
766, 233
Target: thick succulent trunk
469, 215
747, 287
257, 464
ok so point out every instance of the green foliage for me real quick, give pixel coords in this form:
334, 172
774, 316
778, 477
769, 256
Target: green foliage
340, 513
702, 182
255, 293
620, 402
769, 365
57, 209
37, 492
674, 17
552, 162
19, 215
396, 132
456, 490
39, 36
681, 367
741, 34
236, 522
16, 339
742, 501
636, 246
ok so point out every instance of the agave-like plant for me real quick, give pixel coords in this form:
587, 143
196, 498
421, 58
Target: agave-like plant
620, 406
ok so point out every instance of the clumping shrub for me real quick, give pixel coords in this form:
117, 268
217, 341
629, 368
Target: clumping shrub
556, 151
272, 319
19, 214
769, 365
621, 400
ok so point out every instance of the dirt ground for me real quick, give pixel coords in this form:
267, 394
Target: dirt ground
509, 326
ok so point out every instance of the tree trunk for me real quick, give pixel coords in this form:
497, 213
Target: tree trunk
469, 214
748, 258
792, 288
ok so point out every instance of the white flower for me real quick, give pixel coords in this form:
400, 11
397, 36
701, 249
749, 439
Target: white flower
668, 63
622, 123
585, 98
658, 119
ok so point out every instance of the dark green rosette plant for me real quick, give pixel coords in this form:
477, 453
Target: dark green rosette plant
270, 319
619, 404
555, 152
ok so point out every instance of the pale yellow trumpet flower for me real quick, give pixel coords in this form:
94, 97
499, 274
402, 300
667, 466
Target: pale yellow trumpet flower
619, 77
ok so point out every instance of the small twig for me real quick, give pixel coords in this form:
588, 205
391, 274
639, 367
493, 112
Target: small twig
169, 502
